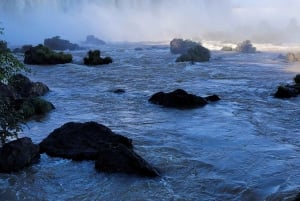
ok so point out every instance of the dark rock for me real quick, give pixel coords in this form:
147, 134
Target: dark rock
26, 88
119, 91
23, 49
18, 154
42, 55
195, 54
180, 46
293, 57
92, 141
80, 141
227, 48
56, 43
92, 40
7, 92
118, 158
245, 47
287, 91
177, 99
212, 98
95, 59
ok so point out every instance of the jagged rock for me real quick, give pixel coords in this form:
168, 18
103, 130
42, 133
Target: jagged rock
195, 54
56, 43
18, 154
92, 40
94, 58
178, 99
42, 55
180, 46
245, 47
93, 141
26, 88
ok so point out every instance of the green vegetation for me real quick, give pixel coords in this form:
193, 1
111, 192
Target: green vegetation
42, 55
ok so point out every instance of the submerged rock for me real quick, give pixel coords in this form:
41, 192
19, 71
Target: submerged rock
56, 43
195, 54
289, 91
94, 58
180, 46
93, 141
42, 55
245, 47
92, 40
180, 99
18, 154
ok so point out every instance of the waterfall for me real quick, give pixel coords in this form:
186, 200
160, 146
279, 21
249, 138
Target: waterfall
141, 20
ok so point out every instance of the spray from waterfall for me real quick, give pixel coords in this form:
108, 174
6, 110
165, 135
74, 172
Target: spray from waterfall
30, 21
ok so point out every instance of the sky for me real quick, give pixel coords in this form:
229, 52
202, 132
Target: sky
30, 21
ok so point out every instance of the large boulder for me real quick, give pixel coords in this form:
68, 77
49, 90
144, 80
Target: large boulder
195, 54
56, 43
180, 99
180, 46
18, 154
245, 47
289, 90
26, 88
42, 55
94, 58
92, 40
118, 158
93, 141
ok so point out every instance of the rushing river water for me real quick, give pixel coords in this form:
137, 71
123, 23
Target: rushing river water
244, 147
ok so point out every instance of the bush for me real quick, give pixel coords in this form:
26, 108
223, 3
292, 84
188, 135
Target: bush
41, 55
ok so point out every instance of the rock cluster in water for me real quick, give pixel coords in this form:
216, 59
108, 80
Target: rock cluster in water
93, 141
56, 43
189, 50
24, 95
42, 55
245, 47
94, 58
93, 40
289, 90
181, 99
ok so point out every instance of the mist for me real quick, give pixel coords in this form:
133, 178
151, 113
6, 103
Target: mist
266, 21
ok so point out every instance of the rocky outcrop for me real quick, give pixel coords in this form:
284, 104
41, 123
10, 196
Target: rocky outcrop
26, 88
24, 96
289, 90
18, 154
42, 55
56, 43
245, 47
293, 57
180, 46
195, 54
181, 99
92, 40
94, 58
93, 141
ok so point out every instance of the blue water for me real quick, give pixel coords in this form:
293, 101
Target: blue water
244, 147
